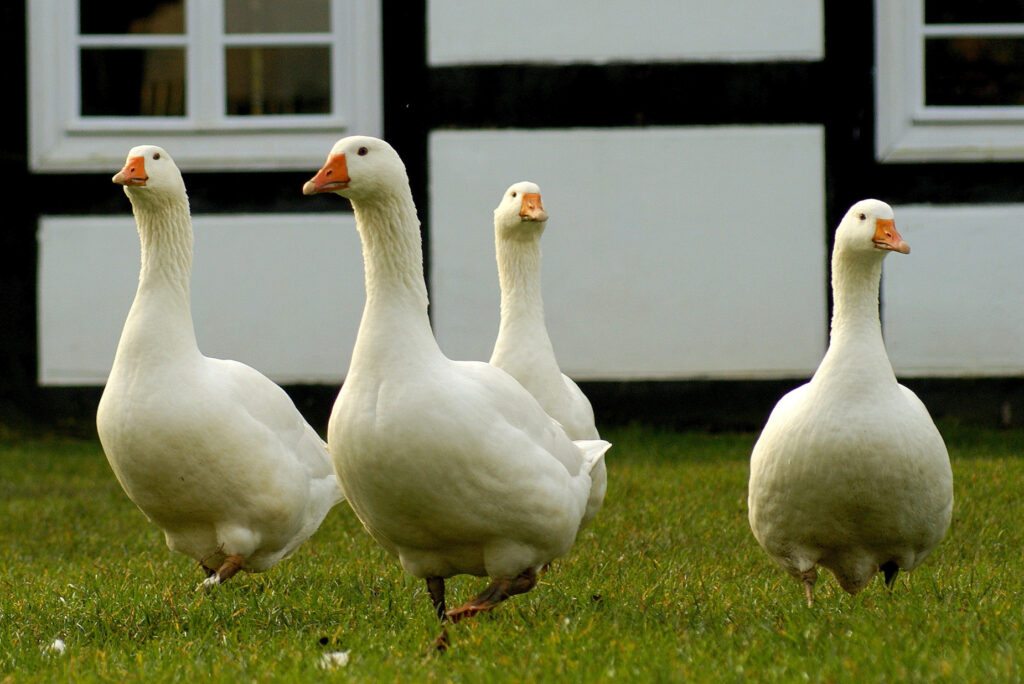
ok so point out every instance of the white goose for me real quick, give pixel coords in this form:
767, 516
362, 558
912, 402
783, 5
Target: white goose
451, 466
214, 453
523, 348
850, 472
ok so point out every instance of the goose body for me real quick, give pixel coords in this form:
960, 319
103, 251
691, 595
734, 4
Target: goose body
451, 466
212, 452
523, 347
850, 472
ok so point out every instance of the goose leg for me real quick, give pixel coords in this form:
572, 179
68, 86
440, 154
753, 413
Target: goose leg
496, 592
203, 563
809, 577
889, 568
228, 569
435, 585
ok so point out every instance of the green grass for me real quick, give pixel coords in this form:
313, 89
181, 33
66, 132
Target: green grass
667, 585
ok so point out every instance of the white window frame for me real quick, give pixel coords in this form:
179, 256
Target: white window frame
62, 140
906, 130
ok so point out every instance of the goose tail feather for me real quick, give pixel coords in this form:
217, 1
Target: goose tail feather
593, 451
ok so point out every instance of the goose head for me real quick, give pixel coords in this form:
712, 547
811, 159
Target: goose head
520, 215
150, 175
869, 228
359, 168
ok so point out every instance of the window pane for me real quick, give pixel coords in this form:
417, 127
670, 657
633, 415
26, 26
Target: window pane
974, 71
274, 16
294, 80
974, 11
133, 82
138, 16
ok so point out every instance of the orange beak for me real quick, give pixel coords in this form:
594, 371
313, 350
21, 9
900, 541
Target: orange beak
133, 173
886, 237
331, 178
532, 209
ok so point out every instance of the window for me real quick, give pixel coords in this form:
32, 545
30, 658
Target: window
221, 83
950, 80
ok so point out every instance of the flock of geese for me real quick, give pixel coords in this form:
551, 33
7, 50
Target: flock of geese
489, 469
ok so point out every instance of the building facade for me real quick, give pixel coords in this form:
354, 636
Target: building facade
694, 158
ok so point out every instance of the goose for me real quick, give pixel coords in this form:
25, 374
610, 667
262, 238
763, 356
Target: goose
451, 466
211, 451
850, 472
523, 348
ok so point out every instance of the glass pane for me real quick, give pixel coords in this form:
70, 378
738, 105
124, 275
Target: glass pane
293, 80
133, 82
138, 16
973, 11
274, 16
974, 71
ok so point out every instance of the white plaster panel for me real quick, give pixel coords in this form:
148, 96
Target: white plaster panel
468, 32
282, 293
669, 252
955, 305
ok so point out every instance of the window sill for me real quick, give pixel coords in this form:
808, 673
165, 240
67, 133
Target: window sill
209, 151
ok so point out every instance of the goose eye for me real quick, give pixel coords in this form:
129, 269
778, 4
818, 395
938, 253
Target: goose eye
156, 155
862, 217
362, 151
514, 194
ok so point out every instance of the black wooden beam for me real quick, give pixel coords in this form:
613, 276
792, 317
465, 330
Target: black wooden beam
548, 96
406, 104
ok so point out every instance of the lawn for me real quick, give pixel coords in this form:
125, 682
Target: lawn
668, 585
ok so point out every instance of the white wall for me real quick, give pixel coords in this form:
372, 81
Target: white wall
462, 32
955, 305
282, 293
669, 252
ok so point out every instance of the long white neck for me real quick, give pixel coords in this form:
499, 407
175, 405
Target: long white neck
856, 345
161, 315
522, 306
395, 318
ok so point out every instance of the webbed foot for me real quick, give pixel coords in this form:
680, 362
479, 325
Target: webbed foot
496, 592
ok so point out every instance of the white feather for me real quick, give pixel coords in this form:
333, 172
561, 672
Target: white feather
213, 452
850, 472
452, 466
